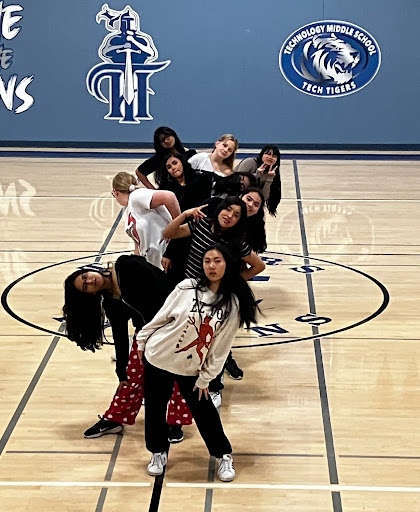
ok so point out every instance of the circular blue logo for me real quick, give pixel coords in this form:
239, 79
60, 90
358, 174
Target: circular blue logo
329, 58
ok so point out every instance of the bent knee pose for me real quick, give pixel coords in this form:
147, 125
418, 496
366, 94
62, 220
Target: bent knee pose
214, 305
132, 289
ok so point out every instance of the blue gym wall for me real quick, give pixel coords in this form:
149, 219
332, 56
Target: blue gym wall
223, 77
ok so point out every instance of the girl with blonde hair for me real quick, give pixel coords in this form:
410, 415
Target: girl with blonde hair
148, 214
220, 160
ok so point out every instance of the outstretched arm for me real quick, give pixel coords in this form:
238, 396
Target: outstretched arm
177, 227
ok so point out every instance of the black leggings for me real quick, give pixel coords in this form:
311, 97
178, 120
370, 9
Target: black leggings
158, 389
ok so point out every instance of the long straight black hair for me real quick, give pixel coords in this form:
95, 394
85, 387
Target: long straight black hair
166, 178
161, 152
83, 314
255, 232
275, 188
239, 229
165, 130
232, 284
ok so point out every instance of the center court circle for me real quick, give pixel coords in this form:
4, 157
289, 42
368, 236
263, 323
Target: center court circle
285, 320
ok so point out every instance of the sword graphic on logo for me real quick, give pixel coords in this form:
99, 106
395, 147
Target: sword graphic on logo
128, 56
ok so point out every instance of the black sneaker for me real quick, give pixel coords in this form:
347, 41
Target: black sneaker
233, 369
102, 428
175, 433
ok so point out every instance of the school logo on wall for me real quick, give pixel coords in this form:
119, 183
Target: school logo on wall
128, 56
329, 58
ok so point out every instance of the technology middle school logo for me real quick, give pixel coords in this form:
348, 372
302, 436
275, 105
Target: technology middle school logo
128, 55
329, 58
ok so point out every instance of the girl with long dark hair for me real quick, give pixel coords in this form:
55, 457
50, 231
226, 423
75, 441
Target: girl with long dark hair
266, 168
165, 141
187, 342
255, 231
131, 290
190, 188
227, 226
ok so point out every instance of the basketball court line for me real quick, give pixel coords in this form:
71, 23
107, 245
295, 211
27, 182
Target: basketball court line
63, 452
42, 366
271, 455
28, 393
215, 485
332, 487
322, 385
285, 155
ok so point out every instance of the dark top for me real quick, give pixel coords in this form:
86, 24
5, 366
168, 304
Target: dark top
203, 237
155, 162
194, 192
144, 289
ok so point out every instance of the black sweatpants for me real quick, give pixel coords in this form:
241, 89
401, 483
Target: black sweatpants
158, 389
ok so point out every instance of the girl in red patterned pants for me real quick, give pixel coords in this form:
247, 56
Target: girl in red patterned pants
128, 399
132, 290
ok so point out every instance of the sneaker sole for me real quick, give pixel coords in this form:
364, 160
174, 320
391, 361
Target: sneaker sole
175, 440
227, 479
234, 378
154, 474
115, 430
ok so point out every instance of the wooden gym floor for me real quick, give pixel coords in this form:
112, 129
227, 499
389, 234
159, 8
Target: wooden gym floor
327, 416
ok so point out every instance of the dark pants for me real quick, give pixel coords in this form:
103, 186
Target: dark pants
216, 384
158, 390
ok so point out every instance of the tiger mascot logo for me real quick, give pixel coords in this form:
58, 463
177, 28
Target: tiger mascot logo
328, 59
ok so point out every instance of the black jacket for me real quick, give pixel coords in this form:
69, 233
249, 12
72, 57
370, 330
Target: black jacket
144, 289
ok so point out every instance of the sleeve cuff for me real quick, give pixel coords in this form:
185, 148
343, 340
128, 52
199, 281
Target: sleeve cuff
201, 383
141, 345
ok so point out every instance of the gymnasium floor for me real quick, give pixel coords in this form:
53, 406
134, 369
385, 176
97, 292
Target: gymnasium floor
326, 418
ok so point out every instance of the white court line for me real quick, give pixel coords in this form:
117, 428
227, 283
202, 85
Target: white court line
211, 485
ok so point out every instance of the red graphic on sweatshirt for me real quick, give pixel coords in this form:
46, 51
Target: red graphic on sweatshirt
205, 330
131, 229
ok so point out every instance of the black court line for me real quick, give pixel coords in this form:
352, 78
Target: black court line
6, 291
328, 435
157, 491
35, 380
28, 393
210, 478
278, 455
389, 457
108, 476
291, 339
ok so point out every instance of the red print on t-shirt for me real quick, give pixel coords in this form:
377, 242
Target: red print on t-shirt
131, 229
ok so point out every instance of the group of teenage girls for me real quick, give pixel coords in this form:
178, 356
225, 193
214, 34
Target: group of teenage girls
197, 237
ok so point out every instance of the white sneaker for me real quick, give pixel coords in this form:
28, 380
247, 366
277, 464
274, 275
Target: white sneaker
157, 464
216, 398
226, 471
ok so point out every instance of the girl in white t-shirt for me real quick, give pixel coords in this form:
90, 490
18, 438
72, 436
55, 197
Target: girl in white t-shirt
220, 160
148, 214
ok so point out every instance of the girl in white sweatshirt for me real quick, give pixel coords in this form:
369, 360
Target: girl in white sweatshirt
187, 342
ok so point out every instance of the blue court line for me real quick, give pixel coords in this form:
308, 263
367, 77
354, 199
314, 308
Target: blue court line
139, 156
